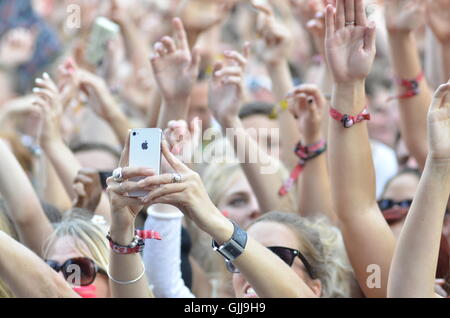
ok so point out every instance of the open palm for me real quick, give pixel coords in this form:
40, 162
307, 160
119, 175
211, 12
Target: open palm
349, 42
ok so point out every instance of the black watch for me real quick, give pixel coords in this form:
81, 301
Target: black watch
235, 246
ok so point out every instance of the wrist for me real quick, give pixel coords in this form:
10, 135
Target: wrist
122, 235
312, 139
349, 97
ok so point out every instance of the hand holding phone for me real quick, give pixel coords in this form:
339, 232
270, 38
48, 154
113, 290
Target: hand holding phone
145, 151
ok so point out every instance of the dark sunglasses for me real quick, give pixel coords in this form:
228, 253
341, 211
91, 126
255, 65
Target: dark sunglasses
286, 254
389, 204
80, 271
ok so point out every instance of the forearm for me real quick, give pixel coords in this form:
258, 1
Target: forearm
415, 260
154, 109
261, 170
257, 263
64, 162
281, 86
162, 258
314, 190
126, 267
27, 275
173, 110
413, 110
54, 191
22, 202
135, 44
368, 239
351, 169
119, 124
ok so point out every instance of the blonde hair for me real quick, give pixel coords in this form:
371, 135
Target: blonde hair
78, 225
7, 227
222, 169
323, 246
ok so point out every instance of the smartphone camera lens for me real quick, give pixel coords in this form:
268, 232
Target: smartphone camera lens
134, 134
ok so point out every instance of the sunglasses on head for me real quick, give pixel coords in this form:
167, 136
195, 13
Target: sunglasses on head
389, 204
81, 271
286, 254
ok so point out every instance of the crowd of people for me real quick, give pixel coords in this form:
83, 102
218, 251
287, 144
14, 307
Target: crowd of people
305, 149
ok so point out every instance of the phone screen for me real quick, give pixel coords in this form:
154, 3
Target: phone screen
145, 151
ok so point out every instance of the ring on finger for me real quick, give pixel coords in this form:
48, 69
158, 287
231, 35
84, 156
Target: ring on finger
117, 175
176, 178
350, 23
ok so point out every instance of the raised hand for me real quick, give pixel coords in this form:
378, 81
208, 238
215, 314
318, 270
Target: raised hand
277, 38
349, 41
439, 124
174, 67
404, 15
226, 87
438, 18
49, 100
88, 189
306, 104
183, 141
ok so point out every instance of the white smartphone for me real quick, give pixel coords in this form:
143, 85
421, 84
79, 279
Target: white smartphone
145, 151
103, 31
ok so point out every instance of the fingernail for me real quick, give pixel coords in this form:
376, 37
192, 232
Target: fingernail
36, 90
46, 76
39, 81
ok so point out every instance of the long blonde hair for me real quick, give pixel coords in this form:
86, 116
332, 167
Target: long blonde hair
323, 246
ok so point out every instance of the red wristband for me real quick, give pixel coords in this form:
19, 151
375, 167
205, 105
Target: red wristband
348, 120
412, 87
304, 153
137, 245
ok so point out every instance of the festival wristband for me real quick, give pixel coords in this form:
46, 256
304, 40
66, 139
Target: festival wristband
305, 153
348, 120
138, 243
412, 87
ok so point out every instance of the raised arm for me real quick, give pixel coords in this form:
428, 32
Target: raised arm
27, 275
415, 260
402, 17
103, 103
52, 142
225, 95
126, 271
307, 105
277, 42
176, 70
23, 204
350, 50
256, 263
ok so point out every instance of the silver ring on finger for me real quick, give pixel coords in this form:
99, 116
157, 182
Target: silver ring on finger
347, 23
176, 178
117, 175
